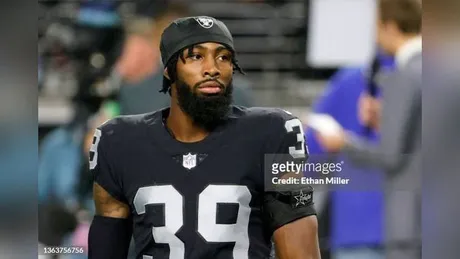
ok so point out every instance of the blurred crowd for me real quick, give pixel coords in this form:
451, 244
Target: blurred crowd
102, 58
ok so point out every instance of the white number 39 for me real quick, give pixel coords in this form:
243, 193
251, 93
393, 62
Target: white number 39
207, 213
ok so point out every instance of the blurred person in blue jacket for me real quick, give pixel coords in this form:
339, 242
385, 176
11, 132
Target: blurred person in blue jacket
357, 216
62, 155
64, 183
61, 148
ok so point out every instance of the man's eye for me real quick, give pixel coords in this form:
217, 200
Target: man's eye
195, 56
224, 58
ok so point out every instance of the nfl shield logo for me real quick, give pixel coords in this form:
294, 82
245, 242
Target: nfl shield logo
205, 22
189, 161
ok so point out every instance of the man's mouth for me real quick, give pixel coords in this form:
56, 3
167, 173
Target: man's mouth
210, 87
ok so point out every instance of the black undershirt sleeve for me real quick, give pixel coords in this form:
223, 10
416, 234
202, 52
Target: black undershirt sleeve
109, 238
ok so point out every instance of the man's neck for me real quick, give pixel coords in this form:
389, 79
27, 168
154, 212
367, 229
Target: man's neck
182, 126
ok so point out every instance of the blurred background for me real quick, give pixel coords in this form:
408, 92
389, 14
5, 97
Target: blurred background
100, 59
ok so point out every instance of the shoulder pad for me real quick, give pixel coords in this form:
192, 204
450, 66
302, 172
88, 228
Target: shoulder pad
269, 113
124, 125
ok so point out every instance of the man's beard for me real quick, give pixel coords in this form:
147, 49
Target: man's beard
207, 111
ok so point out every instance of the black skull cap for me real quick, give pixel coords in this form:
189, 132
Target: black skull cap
188, 31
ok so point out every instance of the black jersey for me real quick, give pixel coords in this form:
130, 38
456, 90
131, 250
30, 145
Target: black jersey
195, 200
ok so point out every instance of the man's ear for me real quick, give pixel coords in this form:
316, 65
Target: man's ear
165, 73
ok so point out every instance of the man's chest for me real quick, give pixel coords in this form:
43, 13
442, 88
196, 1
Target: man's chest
233, 164
211, 194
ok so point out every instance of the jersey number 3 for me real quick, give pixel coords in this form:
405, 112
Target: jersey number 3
294, 125
207, 213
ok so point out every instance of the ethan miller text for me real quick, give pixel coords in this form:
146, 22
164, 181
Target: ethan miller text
309, 180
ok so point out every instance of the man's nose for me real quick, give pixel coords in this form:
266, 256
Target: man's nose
210, 68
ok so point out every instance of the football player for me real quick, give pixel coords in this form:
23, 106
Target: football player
188, 181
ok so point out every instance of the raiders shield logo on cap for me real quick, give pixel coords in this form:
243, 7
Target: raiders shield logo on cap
205, 22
